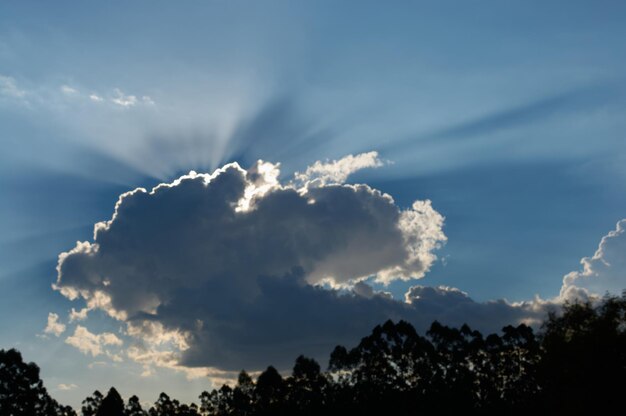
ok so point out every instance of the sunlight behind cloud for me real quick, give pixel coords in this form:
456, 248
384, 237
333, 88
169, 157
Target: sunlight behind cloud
287, 240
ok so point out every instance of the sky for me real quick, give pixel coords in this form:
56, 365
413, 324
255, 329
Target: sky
309, 169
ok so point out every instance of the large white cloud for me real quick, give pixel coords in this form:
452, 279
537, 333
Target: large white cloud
235, 270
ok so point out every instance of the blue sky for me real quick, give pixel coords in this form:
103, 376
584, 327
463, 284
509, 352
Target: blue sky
508, 116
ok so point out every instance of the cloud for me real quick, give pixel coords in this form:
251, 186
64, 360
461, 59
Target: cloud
217, 272
54, 326
177, 235
185, 253
452, 306
367, 291
604, 272
48, 97
125, 100
337, 171
70, 386
67, 90
9, 88
80, 315
89, 343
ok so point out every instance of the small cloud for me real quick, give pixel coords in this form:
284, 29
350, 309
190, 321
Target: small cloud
95, 364
9, 88
54, 326
96, 98
70, 386
67, 90
89, 343
147, 100
123, 100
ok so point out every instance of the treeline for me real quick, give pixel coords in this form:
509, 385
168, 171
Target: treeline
575, 365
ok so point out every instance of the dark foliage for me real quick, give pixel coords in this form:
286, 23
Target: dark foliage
133, 407
112, 404
21, 390
583, 366
577, 365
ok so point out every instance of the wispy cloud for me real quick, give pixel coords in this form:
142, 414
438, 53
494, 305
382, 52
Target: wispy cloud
67, 90
123, 100
49, 97
338, 171
9, 87
127, 100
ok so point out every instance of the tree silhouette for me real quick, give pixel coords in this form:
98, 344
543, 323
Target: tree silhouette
112, 404
583, 363
164, 406
133, 407
21, 390
270, 392
517, 369
306, 387
91, 404
243, 395
218, 402
453, 381
393, 363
